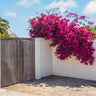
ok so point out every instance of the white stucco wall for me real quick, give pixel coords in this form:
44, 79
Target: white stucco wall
43, 58
49, 64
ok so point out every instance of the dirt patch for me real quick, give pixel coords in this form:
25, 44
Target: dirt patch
56, 86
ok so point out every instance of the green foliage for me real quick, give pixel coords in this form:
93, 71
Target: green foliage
4, 26
93, 31
4, 34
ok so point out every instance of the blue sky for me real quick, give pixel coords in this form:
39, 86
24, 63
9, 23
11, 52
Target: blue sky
18, 12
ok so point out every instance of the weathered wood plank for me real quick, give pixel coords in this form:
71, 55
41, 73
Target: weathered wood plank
17, 60
28, 60
6, 75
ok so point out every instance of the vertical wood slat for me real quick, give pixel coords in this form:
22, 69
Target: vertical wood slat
17, 60
6, 68
29, 59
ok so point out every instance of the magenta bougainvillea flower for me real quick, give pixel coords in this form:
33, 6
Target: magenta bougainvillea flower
69, 37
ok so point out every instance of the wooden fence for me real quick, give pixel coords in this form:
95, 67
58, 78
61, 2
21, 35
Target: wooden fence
17, 60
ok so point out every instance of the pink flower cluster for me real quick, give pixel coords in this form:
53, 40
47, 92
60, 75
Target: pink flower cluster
68, 36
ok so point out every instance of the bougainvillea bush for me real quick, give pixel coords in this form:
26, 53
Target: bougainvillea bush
68, 36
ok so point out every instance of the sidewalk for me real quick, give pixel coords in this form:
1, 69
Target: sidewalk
4, 92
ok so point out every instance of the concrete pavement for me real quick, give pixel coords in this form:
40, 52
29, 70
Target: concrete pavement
4, 92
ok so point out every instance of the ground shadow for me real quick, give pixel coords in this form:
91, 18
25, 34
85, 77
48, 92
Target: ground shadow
53, 81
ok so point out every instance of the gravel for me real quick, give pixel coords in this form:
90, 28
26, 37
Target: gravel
56, 86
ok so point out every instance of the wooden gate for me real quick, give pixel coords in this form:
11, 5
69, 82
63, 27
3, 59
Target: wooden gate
17, 60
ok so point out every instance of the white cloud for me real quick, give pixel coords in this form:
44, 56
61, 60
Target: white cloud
62, 5
27, 18
22, 2
28, 3
13, 14
90, 7
36, 1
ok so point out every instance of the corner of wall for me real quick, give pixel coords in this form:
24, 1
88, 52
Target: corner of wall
37, 59
43, 58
